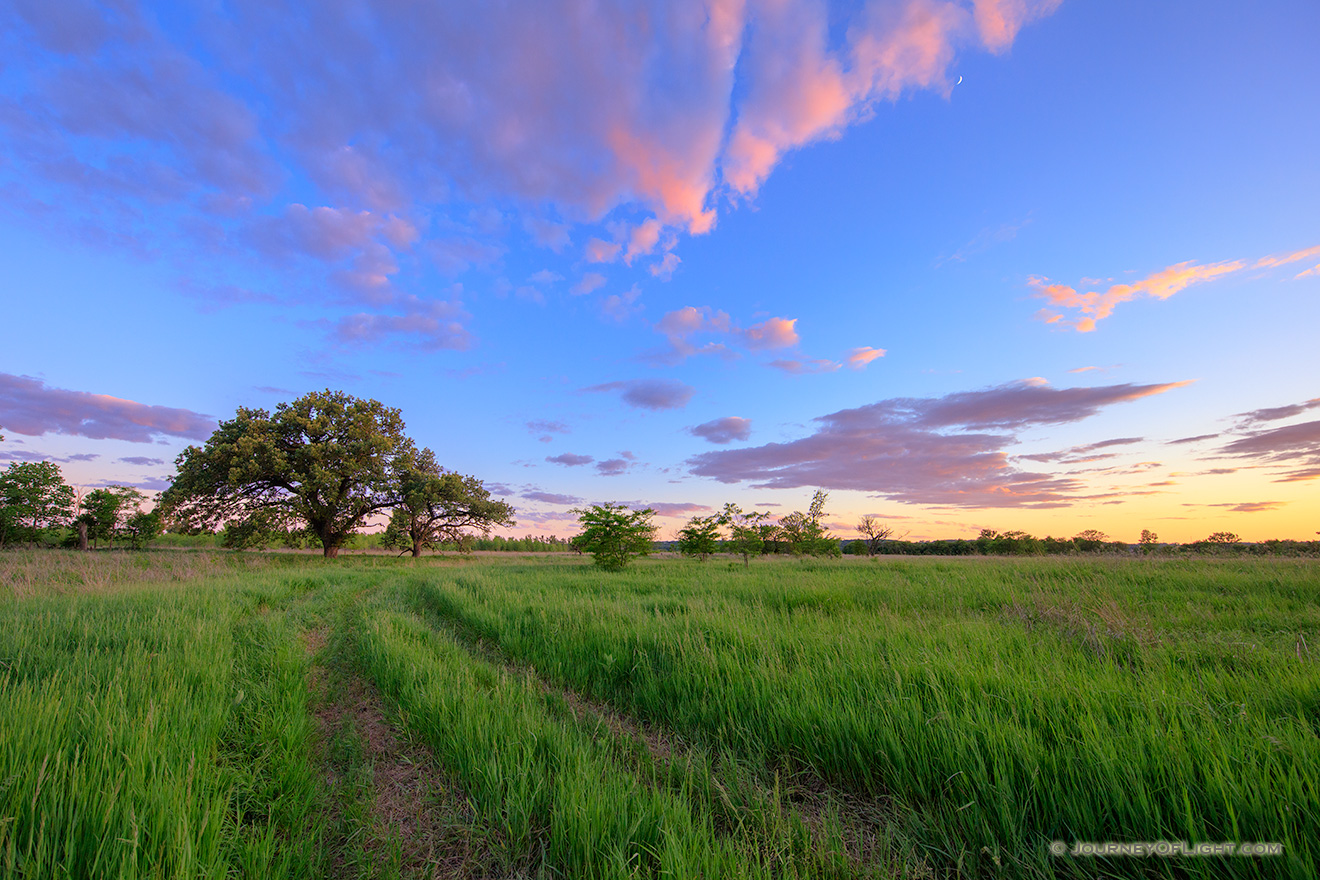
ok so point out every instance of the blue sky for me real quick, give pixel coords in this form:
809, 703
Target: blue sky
961, 264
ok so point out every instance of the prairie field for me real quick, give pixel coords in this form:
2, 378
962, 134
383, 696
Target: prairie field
200, 714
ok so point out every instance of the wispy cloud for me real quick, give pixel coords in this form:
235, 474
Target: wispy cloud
569, 459
1248, 506
612, 467
675, 508
1296, 448
551, 498
725, 430
1092, 306
947, 450
858, 358
800, 367
428, 325
652, 394
180, 133
589, 282
28, 406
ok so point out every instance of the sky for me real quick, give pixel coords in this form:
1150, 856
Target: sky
1048, 265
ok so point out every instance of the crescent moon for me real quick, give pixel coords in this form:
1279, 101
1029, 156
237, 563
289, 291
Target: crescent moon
959, 82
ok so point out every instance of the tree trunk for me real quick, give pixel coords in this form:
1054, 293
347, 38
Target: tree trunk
416, 550
82, 536
331, 551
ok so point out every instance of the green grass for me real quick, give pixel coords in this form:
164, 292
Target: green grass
946, 716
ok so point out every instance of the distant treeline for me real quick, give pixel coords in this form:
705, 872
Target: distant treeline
1049, 546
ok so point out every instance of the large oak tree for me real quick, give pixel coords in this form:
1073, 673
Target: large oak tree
325, 462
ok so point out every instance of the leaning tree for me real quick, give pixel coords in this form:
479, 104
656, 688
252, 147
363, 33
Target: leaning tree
325, 462
436, 505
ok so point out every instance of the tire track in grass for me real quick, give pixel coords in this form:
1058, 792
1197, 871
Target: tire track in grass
411, 819
867, 829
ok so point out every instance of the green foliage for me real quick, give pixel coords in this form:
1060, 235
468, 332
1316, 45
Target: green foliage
613, 534
142, 528
34, 499
325, 462
1223, 538
700, 537
1148, 541
1090, 540
805, 533
1011, 543
748, 531
106, 513
438, 506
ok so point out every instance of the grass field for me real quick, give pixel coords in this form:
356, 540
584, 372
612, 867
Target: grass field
196, 714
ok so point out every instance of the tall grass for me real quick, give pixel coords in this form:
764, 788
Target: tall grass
152, 733
154, 715
1007, 704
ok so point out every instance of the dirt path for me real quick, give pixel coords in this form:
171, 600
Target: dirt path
409, 814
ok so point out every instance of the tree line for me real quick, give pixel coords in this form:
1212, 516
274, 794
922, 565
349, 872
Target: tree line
314, 471
38, 508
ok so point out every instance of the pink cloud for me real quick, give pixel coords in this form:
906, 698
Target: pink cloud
858, 358
770, 334
690, 320
725, 430
558, 117
664, 269
589, 282
927, 450
675, 508
1096, 305
804, 367
998, 21
1286, 258
428, 325
620, 307
29, 407
601, 251
643, 239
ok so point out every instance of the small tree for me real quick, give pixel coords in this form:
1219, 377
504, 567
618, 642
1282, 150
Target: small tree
1223, 538
805, 533
613, 534
439, 506
141, 528
101, 513
748, 531
875, 532
33, 499
700, 537
1148, 541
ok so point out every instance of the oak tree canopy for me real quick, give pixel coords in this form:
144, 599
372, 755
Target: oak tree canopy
326, 462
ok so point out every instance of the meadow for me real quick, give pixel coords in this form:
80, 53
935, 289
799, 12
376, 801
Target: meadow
203, 714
